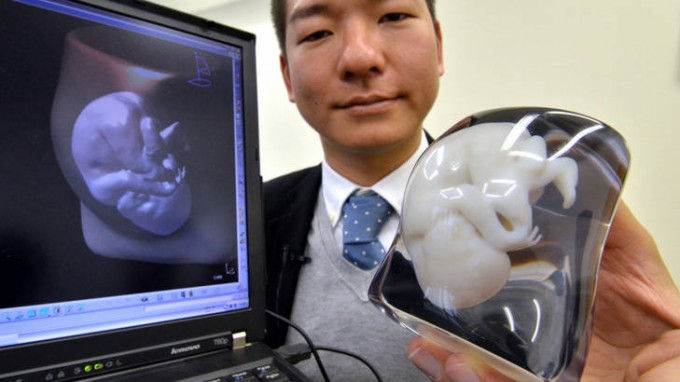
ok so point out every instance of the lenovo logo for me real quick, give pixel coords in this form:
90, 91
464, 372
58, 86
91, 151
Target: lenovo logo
185, 349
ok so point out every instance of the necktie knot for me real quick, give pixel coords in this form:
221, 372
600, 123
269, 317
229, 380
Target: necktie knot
364, 216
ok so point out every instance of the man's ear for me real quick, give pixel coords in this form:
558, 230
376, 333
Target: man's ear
440, 48
283, 63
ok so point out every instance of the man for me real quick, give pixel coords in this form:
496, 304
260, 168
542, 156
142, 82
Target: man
364, 74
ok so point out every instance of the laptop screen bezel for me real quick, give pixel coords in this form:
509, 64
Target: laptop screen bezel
33, 356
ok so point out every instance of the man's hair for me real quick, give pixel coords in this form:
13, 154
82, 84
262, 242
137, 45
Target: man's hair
278, 13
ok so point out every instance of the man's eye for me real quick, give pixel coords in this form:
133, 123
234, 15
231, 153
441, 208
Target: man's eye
316, 36
393, 17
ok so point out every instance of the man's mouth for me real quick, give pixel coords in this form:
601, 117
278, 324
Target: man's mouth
368, 104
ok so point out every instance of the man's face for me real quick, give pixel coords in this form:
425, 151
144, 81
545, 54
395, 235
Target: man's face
363, 73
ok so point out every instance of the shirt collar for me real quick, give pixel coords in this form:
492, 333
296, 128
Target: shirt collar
336, 188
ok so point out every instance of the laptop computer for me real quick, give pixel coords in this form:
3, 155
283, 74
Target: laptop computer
131, 232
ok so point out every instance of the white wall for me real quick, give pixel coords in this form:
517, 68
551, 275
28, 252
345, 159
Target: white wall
615, 60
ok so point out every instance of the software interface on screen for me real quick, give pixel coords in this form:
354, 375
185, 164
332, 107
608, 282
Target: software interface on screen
122, 196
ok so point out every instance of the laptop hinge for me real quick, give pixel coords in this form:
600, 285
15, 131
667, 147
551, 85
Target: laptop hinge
239, 339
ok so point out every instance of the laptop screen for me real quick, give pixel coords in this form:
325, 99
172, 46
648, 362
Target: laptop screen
129, 182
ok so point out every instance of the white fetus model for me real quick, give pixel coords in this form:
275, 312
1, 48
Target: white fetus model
469, 203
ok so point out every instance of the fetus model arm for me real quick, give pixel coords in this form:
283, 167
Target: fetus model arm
124, 159
469, 203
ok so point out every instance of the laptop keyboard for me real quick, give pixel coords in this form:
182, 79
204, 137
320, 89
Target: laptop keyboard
268, 373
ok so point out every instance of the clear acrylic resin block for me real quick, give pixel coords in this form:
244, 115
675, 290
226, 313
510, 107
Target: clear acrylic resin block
502, 229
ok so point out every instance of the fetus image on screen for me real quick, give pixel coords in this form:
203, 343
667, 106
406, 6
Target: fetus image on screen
124, 158
469, 203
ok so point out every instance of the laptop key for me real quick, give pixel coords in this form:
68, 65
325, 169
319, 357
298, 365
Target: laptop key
270, 373
264, 370
243, 376
275, 377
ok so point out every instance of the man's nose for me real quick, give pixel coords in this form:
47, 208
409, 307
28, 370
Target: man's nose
362, 55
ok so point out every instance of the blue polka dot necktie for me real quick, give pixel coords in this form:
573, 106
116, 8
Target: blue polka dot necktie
364, 216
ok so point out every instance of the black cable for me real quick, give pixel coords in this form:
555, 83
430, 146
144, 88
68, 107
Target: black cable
355, 356
309, 342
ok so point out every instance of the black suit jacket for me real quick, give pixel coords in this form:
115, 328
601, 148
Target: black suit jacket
289, 208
